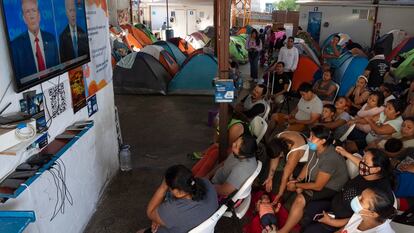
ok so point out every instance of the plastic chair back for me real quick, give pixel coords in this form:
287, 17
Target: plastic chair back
258, 128
208, 225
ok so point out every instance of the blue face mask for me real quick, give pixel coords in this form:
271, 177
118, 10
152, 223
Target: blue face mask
312, 146
356, 205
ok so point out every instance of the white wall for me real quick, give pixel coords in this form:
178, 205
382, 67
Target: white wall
90, 162
340, 19
159, 13
396, 18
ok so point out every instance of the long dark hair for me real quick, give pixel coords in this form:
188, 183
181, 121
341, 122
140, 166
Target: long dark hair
257, 36
383, 204
275, 147
380, 159
180, 177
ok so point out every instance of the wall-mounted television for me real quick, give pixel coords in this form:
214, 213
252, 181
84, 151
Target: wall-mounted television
45, 38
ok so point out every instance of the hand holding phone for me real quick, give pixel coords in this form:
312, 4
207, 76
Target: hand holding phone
320, 217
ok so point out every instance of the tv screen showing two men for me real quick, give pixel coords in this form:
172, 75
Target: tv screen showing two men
45, 37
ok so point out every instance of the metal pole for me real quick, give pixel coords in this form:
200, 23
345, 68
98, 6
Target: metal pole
168, 16
223, 40
130, 12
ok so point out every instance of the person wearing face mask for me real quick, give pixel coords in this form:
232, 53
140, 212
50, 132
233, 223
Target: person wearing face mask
374, 171
237, 168
322, 177
373, 213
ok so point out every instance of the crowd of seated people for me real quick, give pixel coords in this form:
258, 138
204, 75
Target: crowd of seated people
333, 164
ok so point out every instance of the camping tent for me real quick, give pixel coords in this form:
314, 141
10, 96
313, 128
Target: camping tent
131, 41
405, 46
140, 73
305, 72
391, 40
163, 57
237, 49
196, 76
182, 45
310, 42
146, 31
245, 30
349, 71
303, 48
406, 68
138, 34
173, 50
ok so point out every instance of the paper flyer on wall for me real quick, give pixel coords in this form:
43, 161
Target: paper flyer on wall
98, 72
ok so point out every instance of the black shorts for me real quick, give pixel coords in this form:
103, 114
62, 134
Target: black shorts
324, 194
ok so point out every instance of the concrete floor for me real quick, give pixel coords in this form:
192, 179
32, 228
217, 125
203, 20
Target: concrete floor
161, 130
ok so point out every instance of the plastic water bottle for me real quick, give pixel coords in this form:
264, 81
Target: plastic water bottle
125, 158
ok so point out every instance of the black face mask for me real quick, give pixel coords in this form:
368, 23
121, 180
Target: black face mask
364, 169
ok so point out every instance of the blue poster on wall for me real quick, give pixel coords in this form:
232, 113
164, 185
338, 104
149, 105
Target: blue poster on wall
314, 25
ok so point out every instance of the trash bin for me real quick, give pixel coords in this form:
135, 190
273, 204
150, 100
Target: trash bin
169, 33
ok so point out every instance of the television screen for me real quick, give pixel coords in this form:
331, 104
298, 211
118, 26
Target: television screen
45, 38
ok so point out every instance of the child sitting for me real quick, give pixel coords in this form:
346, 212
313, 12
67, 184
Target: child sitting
328, 113
267, 213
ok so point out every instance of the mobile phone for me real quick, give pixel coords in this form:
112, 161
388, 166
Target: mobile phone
319, 216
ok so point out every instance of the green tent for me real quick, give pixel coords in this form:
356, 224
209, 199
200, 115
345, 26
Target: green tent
146, 31
237, 49
406, 69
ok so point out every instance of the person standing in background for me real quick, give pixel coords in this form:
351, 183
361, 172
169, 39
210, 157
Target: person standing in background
290, 56
254, 46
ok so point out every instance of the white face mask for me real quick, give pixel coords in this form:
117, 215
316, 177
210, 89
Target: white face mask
356, 205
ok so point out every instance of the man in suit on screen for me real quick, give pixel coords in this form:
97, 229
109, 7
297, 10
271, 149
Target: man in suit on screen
34, 50
73, 40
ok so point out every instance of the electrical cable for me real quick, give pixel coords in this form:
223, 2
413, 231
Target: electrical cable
25, 133
5, 92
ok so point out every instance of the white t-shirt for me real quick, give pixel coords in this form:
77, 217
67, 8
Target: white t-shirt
352, 226
396, 124
305, 108
290, 57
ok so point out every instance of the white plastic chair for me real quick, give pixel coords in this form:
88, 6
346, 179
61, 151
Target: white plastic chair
347, 133
336, 93
244, 195
267, 110
353, 169
258, 128
286, 98
208, 225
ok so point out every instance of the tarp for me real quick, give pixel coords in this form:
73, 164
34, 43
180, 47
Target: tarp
305, 71
173, 50
163, 57
196, 77
146, 31
347, 74
405, 46
182, 45
237, 49
138, 34
406, 68
303, 48
146, 75
197, 39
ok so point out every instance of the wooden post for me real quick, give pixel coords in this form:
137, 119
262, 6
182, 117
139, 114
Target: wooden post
222, 24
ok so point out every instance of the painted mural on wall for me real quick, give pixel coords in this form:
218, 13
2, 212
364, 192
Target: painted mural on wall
98, 73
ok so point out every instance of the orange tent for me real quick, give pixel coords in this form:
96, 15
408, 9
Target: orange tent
305, 72
182, 45
138, 34
130, 41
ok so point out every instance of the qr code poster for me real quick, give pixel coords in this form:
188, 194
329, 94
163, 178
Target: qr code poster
57, 100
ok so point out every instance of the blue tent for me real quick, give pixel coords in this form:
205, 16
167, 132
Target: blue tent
196, 76
347, 74
173, 50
